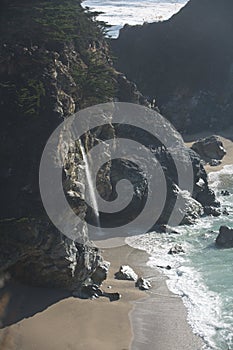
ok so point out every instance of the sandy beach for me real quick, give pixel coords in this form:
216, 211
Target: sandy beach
39, 318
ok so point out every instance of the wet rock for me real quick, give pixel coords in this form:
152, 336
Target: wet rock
126, 273
225, 211
225, 193
212, 211
206, 197
91, 291
210, 149
177, 249
101, 273
167, 229
214, 162
192, 208
225, 237
143, 284
114, 296
168, 267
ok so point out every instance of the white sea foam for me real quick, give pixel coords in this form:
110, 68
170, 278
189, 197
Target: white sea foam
200, 277
222, 179
118, 12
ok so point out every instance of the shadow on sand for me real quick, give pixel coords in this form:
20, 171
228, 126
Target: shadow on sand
18, 301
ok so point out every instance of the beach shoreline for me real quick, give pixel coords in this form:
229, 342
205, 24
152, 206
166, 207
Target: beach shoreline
40, 318
66, 322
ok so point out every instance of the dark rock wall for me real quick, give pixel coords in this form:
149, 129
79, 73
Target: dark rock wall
185, 63
53, 61
47, 75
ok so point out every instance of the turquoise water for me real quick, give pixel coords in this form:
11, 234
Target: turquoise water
203, 275
120, 12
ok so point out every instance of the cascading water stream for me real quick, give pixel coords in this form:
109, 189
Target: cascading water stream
90, 183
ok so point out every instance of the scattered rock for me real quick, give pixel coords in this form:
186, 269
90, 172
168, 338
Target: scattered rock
143, 284
113, 296
177, 249
225, 237
225, 211
210, 149
91, 291
101, 273
211, 231
126, 273
167, 229
214, 162
168, 267
225, 193
212, 211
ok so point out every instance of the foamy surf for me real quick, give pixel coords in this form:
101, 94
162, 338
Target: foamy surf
203, 275
117, 13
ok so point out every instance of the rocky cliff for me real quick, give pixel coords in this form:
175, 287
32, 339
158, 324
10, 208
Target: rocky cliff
185, 64
55, 61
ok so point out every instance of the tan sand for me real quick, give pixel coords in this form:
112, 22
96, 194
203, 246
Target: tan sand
71, 323
227, 140
38, 318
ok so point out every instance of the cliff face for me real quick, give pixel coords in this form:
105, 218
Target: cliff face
185, 63
55, 61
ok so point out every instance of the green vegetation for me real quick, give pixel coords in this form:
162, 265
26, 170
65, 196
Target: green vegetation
41, 27
96, 82
29, 97
48, 22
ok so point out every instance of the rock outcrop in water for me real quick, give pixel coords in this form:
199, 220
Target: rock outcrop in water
225, 237
185, 63
51, 66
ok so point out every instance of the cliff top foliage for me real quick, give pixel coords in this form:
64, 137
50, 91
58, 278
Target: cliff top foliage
47, 22
53, 61
30, 31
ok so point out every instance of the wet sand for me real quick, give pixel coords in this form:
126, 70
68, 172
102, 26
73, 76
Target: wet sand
39, 318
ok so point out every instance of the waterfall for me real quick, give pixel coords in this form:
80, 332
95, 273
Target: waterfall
90, 183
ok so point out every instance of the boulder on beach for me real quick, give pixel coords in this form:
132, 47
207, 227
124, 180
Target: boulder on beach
91, 291
210, 149
100, 273
225, 237
126, 273
143, 284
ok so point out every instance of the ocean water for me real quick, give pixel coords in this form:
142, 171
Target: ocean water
117, 13
203, 275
